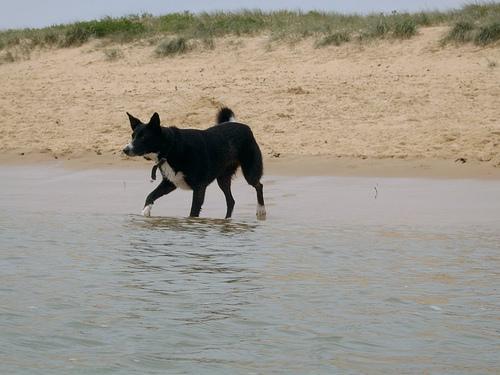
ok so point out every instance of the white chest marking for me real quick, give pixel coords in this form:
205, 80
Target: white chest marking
176, 178
152, 156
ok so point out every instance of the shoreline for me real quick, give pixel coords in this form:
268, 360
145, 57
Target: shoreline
289, 165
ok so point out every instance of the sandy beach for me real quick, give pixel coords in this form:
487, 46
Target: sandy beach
386, 107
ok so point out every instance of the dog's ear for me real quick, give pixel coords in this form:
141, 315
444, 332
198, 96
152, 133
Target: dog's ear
155, 120
133, 121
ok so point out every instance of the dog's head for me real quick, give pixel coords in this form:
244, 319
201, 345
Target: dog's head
146, 138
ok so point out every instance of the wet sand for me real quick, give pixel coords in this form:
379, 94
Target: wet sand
342, 198
286, 165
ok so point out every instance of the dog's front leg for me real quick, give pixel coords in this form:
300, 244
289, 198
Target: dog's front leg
198, 198
165, 187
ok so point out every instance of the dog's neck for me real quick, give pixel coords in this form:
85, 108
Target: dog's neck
156, 157
152, 156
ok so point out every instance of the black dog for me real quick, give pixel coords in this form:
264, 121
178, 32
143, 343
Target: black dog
192, 159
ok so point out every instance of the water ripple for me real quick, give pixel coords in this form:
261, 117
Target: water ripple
87, 292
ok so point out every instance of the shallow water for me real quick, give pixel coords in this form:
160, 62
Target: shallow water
347, 275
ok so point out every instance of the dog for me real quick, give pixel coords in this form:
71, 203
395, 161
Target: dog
192, 159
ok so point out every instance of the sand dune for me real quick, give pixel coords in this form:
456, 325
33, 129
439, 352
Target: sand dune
411, 100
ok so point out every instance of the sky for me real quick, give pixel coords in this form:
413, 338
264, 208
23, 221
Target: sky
40, 13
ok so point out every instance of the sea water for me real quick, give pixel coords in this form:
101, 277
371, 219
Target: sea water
347, 275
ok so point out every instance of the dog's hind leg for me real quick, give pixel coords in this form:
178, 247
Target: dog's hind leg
225, 185
254, 180
162, 189
252, 168
198, 198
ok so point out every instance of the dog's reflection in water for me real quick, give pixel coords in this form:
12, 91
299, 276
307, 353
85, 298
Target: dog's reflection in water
191, 225
189, 246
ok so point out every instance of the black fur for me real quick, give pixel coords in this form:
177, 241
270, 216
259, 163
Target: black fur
224, 115
201, 156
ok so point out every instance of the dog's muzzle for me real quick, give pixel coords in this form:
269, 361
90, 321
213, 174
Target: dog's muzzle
128, 150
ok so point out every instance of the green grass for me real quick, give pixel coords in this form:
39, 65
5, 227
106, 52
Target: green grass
477, 23
461, 32
465, 31
337, 38
405, 28
488, 33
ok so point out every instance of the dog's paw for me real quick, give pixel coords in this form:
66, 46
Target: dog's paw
261, 212
147, 210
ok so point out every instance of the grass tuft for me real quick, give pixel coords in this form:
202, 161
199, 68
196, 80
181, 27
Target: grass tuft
477, 23
208, 43
113, 54
125, 28
488, 33
170, 47
337, 38
381, 28
7, 57
75, 36
405, 28
465, 31
461, 32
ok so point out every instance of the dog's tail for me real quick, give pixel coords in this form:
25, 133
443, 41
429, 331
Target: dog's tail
225, 115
